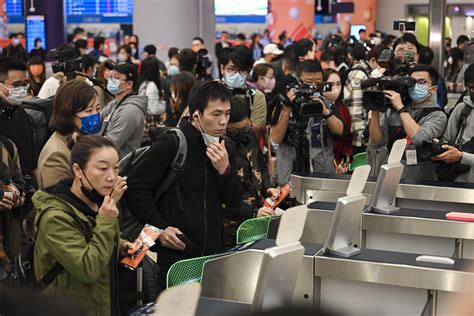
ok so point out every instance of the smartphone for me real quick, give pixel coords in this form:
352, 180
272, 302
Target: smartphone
189, 244
402, 26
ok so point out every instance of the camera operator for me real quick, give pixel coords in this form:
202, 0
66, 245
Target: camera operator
406, 49
284, 126
235, 63
420, 121
206, 66
460, 132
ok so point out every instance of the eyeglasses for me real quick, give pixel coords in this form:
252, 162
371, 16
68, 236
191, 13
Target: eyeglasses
238, 131
233, 71
470, 88
424, 82
18, 84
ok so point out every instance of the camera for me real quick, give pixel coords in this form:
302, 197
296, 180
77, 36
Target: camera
203, 64
375, 100
66, 62
304, 106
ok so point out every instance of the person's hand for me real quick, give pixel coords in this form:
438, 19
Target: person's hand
218, 156
450, 156
395, 98
108, 208
21, 201
265, 211
274, 193
291, 95
169, 239
119, 188
132, 247
7, 201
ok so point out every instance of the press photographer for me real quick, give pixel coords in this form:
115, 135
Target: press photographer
457, 159
299, 119
420, 121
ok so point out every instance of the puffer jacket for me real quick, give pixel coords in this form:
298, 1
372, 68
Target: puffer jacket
86, 275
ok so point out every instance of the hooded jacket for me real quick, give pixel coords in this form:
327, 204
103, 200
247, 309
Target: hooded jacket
124, 122
86, 275
451, 135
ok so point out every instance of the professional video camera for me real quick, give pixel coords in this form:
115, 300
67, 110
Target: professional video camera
66, 62
304, 105
375, 100
203, 65
396, 67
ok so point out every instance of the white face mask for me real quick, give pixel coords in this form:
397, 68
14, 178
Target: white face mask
208, 138
122, 57
377, 73
16, 95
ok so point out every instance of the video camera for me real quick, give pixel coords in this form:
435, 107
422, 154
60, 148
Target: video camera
375, 100
203, 64
304, 104
66, 62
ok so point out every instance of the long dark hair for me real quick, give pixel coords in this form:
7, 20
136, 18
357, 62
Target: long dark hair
34, 85
182, 83
150, 71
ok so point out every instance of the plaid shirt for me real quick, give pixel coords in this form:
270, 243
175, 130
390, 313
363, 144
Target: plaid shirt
353, 98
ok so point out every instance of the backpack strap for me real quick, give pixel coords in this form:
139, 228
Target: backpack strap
466, 111
8, 145
177, 163
57, 269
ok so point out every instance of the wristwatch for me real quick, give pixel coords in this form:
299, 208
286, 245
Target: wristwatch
403, 110
328, 116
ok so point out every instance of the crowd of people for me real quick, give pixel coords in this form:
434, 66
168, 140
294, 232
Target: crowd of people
252, 113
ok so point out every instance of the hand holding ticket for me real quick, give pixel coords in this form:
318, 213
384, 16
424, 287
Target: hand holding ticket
272, 202
145, 240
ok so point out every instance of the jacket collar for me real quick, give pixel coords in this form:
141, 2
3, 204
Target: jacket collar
191, 132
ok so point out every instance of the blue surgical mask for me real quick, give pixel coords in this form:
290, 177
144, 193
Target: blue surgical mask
235, 81
90, 124
173, 70
113, 85
418, 93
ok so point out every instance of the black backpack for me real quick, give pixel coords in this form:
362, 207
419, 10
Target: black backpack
39, 112
130, 227
23, 273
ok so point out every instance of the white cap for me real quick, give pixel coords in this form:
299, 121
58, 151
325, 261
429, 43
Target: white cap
272, 49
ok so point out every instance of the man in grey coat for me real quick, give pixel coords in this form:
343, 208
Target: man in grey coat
124, 118
419, 122
459, 135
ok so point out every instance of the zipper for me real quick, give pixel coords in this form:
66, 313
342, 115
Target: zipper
205, 207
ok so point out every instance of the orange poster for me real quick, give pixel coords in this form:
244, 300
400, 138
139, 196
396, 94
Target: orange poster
296, 17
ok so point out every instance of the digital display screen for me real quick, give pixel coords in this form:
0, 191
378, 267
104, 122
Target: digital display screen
99, 11
35, 28
356, 28
14, 9
241, 11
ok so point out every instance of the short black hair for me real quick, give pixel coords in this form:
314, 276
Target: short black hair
461, 39
359, 52
376, 51
10, 63
303, 47
205, 91
239, 110
80, 43
309, 66
407, 38
197, 38
127, 49
173, 51
12, 35
240, 36
38, 39
150, 49
240, 56
362, 30
187, 59
426, 55
282, 36
88, 61
78, 30
434, 75
469, 75
327, 56
98, 40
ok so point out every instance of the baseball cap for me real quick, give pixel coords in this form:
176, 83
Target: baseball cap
272, 49
125, 68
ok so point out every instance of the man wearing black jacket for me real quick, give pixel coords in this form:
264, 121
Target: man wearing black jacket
193, 204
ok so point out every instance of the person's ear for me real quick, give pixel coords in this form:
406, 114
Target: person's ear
77, 171
222, 69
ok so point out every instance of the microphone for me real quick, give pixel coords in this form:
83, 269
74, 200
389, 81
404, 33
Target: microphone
369, 83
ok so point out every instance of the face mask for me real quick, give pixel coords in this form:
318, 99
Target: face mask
269, 84
90, 124
92, 195
234, 81
333, 94
419, 93
173, 71
122, 57
242, 137
16, 41
208, 139
16, 95
134, 50
113, 85
376, 73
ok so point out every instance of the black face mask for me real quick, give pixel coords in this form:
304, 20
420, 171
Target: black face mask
241, 138
92, 195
